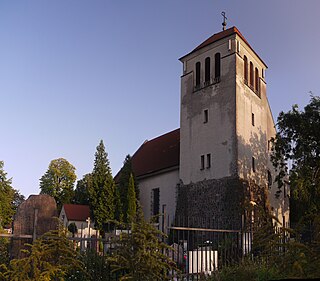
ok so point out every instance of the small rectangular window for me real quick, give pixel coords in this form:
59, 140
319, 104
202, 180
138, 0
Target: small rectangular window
208, 160
202, 162
205, 116
230, 45
252, 119
268, 145
269, 179
238, 46
253, 164
155, 203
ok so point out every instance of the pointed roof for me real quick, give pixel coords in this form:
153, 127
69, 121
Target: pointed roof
220, 35
160, 153
76, 212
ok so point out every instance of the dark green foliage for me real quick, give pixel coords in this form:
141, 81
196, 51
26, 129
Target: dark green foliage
132, 201
58, 181
7, 194
246, 271
51, 257
4, 250
95, 266
298, 142
102, 190
140, 254
81, 193
123, 185
72, 228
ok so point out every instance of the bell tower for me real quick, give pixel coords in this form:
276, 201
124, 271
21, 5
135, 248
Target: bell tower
226, 122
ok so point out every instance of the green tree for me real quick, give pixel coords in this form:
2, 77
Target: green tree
58, 181
123, 184
51, 257
7, 194
132, 201
298, 143
102, 190
81, 193
141, 254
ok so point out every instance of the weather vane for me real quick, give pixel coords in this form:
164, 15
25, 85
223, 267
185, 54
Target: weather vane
224, 24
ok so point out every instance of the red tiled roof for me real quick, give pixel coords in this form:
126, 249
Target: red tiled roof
157, 154
76, 212
219, 36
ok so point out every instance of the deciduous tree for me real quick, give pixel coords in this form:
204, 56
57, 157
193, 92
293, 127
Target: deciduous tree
58, 181
81, 193
297, 143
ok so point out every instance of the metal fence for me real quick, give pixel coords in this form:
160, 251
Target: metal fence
199, 246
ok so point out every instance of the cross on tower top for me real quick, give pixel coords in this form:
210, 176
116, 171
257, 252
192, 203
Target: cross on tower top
224, 24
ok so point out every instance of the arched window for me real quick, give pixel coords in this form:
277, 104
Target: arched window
256, 86
207, 70
251, 74
245, 69
198, 67
217, 65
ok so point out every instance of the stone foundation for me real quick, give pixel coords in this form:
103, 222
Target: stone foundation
217, 203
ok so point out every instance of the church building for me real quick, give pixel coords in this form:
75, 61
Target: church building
218, 162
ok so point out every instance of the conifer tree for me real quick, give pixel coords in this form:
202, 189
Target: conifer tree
131, 198
102, 189
7, 194
123, 184
51, 257
118, 215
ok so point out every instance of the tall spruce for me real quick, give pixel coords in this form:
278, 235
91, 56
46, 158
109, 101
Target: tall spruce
132, 201
102, 190
123, 184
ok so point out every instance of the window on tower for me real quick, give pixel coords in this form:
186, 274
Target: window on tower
208, 160
202, 162
252, 119
217, 66
253, 164
198, 67
257, 81
207, 71
251, 75
245, 59
205, 116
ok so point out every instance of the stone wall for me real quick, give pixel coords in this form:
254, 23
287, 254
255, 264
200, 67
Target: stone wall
35, 216
217, 203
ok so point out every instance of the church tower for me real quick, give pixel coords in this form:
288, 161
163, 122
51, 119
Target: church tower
226, 124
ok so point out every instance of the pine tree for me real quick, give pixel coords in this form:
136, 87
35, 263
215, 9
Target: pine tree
102, 190
123, 184
131, 198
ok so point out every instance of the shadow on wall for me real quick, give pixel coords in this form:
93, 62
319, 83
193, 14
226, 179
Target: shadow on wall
255, 168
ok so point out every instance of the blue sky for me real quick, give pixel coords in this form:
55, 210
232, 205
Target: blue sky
73, 72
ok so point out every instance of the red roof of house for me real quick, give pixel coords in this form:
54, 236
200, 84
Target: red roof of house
77, 212
221, 35
157, 154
